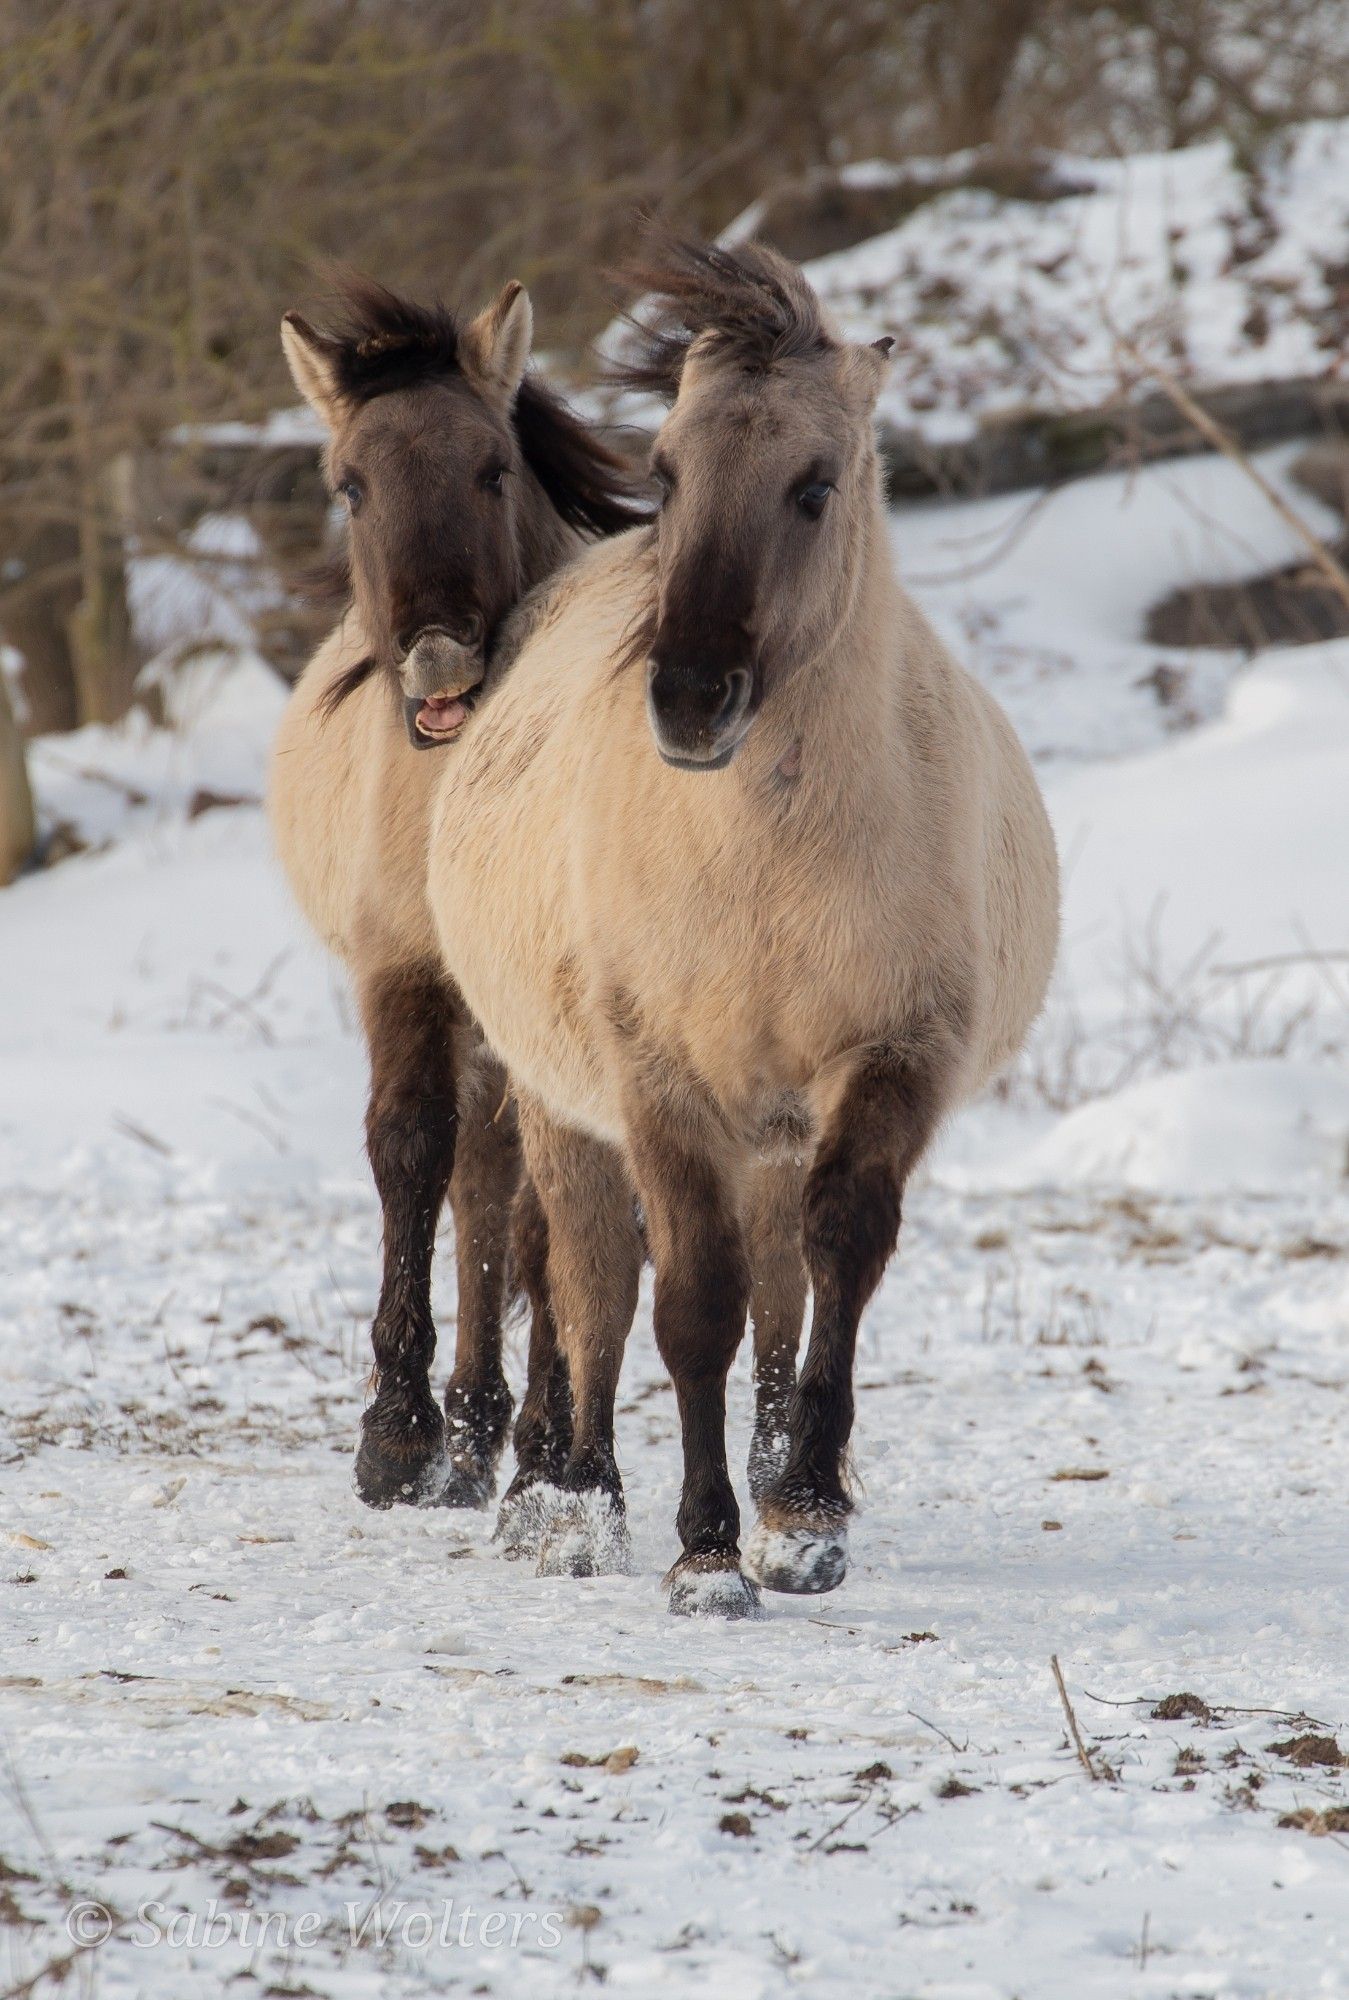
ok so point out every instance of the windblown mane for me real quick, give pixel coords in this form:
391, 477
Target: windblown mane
385, 343
748, 302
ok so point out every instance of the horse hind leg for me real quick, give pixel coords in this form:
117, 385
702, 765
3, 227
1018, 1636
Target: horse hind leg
543, 1428
409, 1016
594, 1259
779, 1287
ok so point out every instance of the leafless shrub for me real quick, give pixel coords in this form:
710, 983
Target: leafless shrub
1183, 1012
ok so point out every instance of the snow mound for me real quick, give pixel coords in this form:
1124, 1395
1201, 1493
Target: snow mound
1226, 269
1224, 852
106, 780
1045, 596
1259, 1126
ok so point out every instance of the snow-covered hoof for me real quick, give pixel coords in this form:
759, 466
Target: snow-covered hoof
712, 1587
802, 1561
476, 1421
584, 1534
522, 1518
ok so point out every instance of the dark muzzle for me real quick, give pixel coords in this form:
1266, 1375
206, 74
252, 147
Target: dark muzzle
699, 715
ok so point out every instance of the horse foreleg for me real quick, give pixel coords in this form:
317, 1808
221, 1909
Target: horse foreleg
851, 1211
777, 1308
702, 1293
409, 1016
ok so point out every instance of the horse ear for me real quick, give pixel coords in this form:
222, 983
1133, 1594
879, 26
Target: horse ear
312, 359
496, 344
867, 368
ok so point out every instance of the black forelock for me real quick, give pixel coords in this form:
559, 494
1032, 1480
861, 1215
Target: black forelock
384, 342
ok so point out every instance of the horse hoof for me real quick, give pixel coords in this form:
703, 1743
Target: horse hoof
703, 1588
804, 1562
522, 1521
583, 1534
382, 1479
465, 1484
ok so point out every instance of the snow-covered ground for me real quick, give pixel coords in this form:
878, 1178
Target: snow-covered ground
1101, 1412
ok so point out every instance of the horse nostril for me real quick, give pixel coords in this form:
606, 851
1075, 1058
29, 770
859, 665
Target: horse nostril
404, 640
733, 700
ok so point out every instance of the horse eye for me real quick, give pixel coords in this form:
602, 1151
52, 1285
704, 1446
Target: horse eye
491, 480
812, 499
351, 492
663, 479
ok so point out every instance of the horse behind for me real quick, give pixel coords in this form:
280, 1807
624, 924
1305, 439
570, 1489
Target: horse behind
465, 481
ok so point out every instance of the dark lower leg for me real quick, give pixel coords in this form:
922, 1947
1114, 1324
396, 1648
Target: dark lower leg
777, 1306
851, 1214
702, 1291
543, 1429
594, 1265
409, 1017
482, 1195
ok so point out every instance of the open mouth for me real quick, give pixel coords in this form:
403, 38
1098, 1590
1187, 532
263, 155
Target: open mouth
434, 719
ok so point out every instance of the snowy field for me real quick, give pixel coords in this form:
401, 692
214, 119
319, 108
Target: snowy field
1101, 1417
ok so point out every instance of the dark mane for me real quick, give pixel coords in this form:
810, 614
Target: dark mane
591, 486
750, 302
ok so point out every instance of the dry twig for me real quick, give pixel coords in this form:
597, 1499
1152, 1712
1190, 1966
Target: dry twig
1213, 433
1083, 1754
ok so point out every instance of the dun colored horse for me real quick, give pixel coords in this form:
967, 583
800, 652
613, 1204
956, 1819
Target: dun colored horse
738, 863
467, 482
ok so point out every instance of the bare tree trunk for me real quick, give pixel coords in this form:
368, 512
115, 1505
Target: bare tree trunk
101, 649
40, 559
983, 44
36, 627
18, 830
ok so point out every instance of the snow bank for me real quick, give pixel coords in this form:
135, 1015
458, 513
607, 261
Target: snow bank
1045, 596
1225, 272
1259, 1127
